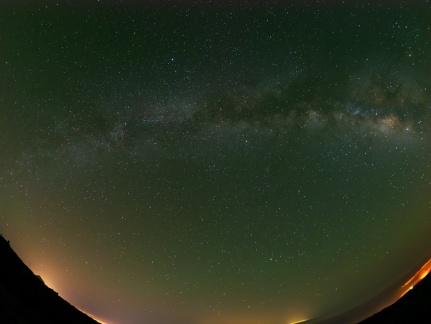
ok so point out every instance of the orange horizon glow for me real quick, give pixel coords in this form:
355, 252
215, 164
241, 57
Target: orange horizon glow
96, 318
416, 278
47, 276
267, 318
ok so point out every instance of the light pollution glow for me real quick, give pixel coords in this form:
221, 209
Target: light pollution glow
422, 273
217, 167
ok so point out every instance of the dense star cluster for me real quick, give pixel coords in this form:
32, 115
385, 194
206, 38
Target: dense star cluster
237, 163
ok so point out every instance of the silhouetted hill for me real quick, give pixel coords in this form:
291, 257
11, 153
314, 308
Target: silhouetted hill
413, 307
24, 298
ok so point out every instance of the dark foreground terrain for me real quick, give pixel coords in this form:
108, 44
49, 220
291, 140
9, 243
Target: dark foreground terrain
413, 307
24, 298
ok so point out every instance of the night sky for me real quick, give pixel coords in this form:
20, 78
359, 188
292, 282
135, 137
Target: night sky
220, 163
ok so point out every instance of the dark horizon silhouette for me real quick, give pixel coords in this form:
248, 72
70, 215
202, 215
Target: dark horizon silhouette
217, 162
394, 304
413, 304
24, 297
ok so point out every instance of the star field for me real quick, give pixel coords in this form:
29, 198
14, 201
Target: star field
234, 163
